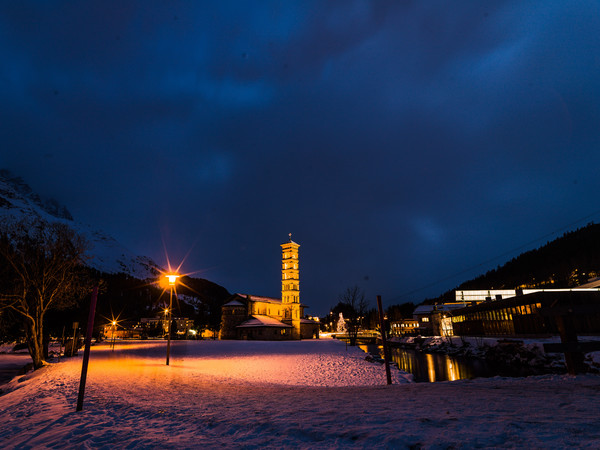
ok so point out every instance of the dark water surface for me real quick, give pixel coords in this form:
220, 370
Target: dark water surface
432, 367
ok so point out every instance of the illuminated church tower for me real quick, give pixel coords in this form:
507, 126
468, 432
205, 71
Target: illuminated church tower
290, 286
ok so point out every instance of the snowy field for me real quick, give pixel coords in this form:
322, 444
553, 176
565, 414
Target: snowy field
308, 394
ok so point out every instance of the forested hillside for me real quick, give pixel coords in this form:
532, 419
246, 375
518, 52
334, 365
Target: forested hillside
568, 261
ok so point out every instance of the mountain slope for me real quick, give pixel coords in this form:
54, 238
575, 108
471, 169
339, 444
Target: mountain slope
18, 201
568, 261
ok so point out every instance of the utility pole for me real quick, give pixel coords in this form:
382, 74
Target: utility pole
386, 354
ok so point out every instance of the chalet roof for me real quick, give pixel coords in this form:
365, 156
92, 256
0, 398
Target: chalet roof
258, 320
234, 303
428, 309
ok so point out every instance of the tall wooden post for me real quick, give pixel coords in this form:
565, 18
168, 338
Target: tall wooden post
386, 354
86, 353
568, 336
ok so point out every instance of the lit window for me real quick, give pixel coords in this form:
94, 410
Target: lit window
425, 319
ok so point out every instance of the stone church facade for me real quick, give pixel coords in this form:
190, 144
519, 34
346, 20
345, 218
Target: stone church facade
264, 318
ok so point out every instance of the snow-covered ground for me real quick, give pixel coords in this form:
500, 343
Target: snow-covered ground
308, 394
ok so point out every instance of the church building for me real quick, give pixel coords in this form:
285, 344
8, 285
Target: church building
264, 318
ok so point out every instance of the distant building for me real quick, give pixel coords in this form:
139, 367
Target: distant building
139, 330
183, 325
404, 327
535, 312
434, 320
252, 317
122, 330
512, 312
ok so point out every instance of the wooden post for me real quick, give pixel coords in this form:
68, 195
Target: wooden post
75, 325
62, 340
86, 353
568, 335
386, 355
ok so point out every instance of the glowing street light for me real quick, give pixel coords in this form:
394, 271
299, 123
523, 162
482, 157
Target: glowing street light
172, 282
172, 279
114, 326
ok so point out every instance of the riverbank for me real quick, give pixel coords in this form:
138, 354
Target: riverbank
13, 361
521, 357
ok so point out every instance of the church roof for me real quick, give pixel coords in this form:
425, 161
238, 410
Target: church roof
258, 320
290, 241
307, 321
256, 298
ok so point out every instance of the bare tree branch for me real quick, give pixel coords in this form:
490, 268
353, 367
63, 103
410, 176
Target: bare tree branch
40, 267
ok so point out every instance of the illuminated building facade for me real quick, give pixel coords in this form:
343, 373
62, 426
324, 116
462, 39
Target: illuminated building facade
252, 317
404, 327
532, 313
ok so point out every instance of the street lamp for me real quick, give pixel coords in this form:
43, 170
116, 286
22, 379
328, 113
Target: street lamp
172, 281
114, 325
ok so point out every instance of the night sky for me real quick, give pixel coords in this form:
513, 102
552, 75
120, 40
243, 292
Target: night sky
407, 145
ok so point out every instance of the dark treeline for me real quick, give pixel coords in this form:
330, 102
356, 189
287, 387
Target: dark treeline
128, 299
568, 261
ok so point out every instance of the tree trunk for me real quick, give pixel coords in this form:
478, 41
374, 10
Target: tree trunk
35, 340
34, 345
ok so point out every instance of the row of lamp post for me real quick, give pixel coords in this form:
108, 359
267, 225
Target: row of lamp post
172, 280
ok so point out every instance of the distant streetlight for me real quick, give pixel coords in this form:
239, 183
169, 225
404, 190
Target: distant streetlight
172, 282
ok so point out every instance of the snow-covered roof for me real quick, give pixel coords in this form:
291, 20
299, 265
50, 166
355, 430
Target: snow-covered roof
427, 309
256, 298
594, 282
307, 321
234, 303
258, 320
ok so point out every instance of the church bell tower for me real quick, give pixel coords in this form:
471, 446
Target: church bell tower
290, 285
290, 274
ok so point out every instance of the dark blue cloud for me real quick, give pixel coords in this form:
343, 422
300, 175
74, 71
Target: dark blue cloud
399, 142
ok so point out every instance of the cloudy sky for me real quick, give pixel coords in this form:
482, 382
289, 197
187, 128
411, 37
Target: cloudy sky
405, 144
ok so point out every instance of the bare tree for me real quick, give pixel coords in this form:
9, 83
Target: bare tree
41, 269
355, 309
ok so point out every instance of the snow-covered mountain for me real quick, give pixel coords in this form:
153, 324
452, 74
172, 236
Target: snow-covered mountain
18, 201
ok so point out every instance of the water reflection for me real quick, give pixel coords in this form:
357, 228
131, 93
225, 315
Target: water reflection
432, 367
